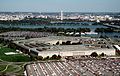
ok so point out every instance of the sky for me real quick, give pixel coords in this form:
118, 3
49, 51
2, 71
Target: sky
58, 5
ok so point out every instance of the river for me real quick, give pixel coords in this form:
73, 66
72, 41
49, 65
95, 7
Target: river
92, 27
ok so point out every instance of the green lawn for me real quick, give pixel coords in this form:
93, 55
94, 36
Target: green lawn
2, 67
11, 68
15, 58
12, 58
5, 49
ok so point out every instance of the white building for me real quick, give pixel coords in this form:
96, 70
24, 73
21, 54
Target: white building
61, 15
47, 46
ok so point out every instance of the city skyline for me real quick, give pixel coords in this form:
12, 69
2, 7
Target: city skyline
58, 5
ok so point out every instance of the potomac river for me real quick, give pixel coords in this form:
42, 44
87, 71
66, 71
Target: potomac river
92, 28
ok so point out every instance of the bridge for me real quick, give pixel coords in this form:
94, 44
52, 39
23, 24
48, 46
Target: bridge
60, 22
113, 26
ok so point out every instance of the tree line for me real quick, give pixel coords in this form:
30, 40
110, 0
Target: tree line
45, 29
26, 21
101, 30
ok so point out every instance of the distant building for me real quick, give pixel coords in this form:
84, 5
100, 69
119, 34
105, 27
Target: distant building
61, 15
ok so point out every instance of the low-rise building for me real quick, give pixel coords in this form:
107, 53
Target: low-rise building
61, 45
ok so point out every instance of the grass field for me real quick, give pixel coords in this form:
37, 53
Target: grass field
9, 67
12, 69
2, 67
12, 58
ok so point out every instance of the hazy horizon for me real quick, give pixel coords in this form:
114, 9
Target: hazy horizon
58, 5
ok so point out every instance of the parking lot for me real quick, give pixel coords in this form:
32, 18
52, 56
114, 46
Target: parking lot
51, 69
20, 35
97, 67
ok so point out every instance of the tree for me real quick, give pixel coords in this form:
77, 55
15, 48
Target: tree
27, 37
46, 58
54, 57
68, 42
102, 54
59, 57
39, 57
63, 43
32, 58
101, 36
57, 43
94, 54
